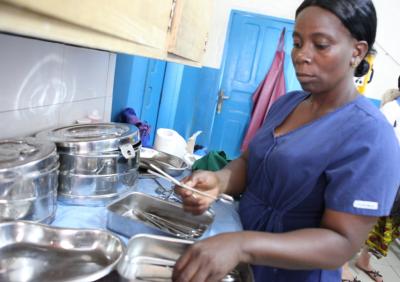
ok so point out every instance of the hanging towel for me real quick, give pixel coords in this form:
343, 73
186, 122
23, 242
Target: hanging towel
270, 89
213, 161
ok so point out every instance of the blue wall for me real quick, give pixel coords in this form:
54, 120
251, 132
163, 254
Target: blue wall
166, 95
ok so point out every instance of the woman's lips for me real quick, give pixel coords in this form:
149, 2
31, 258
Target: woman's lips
305, 77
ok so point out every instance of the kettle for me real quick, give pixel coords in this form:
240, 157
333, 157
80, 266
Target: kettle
169, 141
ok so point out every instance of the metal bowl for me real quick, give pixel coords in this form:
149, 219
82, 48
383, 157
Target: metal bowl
171, 164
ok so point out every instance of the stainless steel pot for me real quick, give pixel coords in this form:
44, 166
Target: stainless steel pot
98, 162
28, 180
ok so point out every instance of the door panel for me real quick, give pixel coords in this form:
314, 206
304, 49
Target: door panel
152, 94
138, 84
248, 55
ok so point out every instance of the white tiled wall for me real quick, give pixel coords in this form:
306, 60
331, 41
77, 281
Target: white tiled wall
45, 84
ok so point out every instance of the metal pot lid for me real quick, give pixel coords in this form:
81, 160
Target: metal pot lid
26, 153
92, 137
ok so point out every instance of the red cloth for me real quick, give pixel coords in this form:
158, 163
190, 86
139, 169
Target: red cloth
270, 89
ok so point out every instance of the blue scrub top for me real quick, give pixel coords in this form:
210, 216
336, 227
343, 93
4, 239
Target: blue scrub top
347, 161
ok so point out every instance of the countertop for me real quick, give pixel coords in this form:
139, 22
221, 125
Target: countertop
70, 216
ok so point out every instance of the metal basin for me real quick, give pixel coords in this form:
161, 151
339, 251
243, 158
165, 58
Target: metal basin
36, 252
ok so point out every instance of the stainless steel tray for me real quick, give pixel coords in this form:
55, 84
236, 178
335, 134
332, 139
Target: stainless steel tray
141, 213
151, 258
36, 252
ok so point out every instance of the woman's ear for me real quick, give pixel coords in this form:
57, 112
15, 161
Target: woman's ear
359, 52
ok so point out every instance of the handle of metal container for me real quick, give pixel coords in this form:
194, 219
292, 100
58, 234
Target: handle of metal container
127, 151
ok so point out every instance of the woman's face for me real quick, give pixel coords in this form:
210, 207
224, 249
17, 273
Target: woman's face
323, 51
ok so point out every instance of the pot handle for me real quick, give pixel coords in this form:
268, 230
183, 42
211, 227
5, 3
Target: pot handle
127, 151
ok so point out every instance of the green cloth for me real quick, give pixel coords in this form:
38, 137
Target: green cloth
213, 161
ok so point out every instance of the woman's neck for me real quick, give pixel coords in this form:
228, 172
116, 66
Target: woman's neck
322, 103
338, 96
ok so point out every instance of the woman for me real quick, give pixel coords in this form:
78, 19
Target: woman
319, 172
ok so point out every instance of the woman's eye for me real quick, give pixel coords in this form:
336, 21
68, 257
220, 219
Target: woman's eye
321, 46
296, 44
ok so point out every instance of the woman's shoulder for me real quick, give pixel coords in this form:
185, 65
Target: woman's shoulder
365, 108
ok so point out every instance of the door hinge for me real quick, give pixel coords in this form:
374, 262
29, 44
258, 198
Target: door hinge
171, 14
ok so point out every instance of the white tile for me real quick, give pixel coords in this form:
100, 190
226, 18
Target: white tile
394, 256
381, 261
111, 74
85, 73
70, 112
28, 121
388, 271
397, 271
108, 109
30, 73
389, 275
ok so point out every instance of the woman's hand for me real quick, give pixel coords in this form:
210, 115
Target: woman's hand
206, 181
210, 259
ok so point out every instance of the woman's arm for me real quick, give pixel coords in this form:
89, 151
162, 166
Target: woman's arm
341, 235
233, 176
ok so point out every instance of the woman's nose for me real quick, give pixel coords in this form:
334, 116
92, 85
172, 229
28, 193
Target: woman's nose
302, 56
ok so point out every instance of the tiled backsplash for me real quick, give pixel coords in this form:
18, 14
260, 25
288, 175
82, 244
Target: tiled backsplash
45, 84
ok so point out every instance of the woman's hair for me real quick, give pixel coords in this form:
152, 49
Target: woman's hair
358, 16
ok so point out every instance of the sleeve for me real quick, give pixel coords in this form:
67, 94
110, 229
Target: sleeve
364, 174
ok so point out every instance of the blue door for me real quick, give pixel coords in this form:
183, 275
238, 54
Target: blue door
248, 55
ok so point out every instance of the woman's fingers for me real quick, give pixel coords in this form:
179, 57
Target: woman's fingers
185, 268
195, 204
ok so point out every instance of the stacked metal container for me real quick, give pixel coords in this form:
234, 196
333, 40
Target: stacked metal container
98, 162
28, 180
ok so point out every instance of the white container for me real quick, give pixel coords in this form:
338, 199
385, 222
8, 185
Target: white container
169, 141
